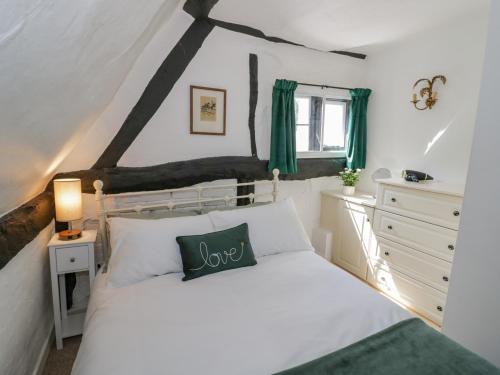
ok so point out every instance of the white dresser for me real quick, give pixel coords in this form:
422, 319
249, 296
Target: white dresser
402, 243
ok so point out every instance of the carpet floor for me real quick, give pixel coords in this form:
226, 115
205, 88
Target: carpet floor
60, 362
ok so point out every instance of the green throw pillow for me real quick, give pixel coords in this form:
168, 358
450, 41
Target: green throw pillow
214, 252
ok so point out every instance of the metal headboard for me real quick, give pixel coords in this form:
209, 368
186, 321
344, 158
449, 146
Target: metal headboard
170, 204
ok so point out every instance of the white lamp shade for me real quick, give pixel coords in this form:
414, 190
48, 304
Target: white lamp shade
68, 198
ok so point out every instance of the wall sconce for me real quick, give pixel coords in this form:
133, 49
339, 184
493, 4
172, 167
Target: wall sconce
426, 93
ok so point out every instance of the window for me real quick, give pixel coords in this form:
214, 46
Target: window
321, 126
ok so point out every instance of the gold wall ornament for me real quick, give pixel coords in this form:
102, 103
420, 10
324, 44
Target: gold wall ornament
429, 97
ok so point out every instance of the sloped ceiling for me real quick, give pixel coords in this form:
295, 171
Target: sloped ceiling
342, 24
60, 64
62, 61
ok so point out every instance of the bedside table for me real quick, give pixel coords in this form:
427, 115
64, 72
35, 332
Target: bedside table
69, 257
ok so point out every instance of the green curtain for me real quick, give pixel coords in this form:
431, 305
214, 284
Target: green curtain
283, 155
356, 131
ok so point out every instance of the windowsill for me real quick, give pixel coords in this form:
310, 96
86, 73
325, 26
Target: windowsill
320, 154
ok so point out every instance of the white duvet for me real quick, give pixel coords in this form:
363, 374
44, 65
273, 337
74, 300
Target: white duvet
287, 310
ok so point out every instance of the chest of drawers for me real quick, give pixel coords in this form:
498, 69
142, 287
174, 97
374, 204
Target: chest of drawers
407, 240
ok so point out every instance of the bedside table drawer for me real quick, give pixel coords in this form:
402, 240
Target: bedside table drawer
72, 258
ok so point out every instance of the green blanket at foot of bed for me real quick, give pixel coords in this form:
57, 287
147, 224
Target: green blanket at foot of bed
406, 348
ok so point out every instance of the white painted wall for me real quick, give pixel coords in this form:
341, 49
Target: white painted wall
437, 141
307, 198
473, 307
25, 307
221, 62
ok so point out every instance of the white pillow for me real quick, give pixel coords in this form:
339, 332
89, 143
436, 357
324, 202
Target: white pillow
274, 228
141, 249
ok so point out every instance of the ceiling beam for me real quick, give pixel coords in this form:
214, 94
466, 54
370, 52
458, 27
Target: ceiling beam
191, 172
20, 226
259, 34
199, 8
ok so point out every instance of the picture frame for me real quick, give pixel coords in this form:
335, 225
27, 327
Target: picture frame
207, 110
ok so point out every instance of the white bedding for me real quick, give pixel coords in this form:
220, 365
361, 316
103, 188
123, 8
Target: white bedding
289, 309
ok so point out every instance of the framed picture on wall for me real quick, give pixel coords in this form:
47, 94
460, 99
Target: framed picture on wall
208, 111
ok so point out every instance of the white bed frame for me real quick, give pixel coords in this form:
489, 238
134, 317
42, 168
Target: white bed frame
171, 204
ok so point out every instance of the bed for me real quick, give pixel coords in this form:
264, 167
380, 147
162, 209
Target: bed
291, 308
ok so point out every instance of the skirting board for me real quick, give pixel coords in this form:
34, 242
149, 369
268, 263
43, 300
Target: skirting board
44, 353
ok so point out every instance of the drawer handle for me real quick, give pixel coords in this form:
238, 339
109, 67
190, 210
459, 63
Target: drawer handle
382, 278
456, 213
451, 247
389, 227
72, 260
393, 200
367, 220
445, 278
387, 253
439, 308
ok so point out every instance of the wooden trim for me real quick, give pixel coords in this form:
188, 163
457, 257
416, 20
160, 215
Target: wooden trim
191, 90
191, 172
199, 8
253, 63
259, 34
19, 227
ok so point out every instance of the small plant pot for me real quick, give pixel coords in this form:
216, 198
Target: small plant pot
348, 190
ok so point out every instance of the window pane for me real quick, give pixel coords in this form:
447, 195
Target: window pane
334, 126
302, 108
302, 138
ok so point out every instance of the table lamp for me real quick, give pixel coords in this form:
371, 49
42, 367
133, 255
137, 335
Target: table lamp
68, 200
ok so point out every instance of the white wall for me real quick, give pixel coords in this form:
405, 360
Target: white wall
307, 198
435, 141
473, 307
221, 62
25, 307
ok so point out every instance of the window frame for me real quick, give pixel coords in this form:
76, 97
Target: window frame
341, 153
301, 124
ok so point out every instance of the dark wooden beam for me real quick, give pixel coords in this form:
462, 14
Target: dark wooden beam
250, 31
191, 172
356, 55
254, 95
20, 226
156, 91
259, 34
199, 8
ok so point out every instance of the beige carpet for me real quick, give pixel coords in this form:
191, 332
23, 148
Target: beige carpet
60, 362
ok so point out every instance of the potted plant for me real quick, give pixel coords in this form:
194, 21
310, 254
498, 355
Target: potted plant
349, 177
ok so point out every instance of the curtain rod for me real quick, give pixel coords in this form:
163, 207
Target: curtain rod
324, 86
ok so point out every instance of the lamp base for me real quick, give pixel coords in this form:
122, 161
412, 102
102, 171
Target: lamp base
68, 235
